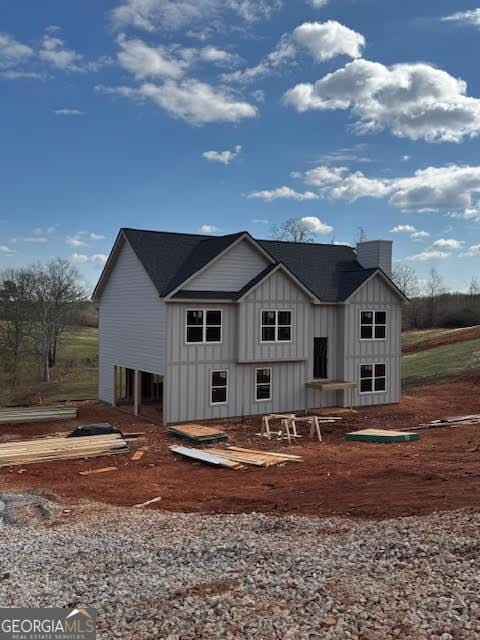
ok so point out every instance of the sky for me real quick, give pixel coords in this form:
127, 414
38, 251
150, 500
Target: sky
215, 116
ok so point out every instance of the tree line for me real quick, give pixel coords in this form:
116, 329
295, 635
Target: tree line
36, 304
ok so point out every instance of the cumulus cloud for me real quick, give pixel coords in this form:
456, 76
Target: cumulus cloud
403, 228
419, 235
55, 53
415, 101
144, 61
67, 112
448, 243
326, 40
282, 193
471, 17
472, 252
217, 56
76, 240
315, 225
13, 52
171, 15
97, 236
6, 249
426, 256
224, 157
318, 4
208, 229
97, 259
284, 52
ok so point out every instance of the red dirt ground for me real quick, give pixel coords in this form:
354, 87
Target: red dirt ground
457, 335
440, 472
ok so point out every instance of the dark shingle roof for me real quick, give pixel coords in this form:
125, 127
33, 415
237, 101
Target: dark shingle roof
331, 272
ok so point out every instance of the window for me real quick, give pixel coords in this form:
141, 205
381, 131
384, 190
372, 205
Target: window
276, 326
263, 384
373, 378
204, 325
373, 325
219, 387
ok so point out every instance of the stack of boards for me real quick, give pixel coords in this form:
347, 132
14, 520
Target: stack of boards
381, 436
60, 448
37, 414
235, 457
457, 421
198, 433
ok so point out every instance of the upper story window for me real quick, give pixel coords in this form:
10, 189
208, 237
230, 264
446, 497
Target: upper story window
276, 326
373, 325
203, 325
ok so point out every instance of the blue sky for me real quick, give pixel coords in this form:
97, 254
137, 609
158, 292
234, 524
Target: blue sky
236, 114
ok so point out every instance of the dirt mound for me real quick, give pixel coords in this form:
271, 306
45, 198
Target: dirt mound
449, 337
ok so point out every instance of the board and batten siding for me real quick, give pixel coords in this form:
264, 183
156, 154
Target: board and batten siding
279, 292
375, 295
232, 271
131, 323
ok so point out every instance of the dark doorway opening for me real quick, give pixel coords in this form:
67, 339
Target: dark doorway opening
320, 358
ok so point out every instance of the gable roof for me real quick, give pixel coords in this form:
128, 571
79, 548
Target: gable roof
331, 273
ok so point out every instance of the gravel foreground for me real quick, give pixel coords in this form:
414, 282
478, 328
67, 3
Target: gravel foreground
168, 576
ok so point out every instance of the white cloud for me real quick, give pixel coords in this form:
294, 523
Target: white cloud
418, 235
448, 243
406, 158
403, 228
68, 112
357, 185
80, 258
97, 236
224, 157
318, 4
284, 52
415, 101
143, 61
282, 193
425, 256
315, 225
322, 176
5, 249
13, 52
197, 102
208, 229
472, 252
170, 15
54, 52
97, 259
465, 17
260, 221
326, 40
35, 239
76, 240
217, 56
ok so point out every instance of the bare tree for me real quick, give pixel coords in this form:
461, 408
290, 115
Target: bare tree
474, 288
406, 279
434, 287
293, 229
56, 291
361, 235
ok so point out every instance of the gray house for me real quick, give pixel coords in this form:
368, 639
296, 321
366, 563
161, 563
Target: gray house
203, 327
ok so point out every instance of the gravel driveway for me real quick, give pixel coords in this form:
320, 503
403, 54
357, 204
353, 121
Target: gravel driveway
160, 575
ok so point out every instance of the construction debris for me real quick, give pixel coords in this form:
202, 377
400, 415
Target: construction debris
289, 422
37, 414
201, 455
47, 449
90, 472
457, 421
145, 504
139, 454
100, 429
381, 436
198, 433
253, 456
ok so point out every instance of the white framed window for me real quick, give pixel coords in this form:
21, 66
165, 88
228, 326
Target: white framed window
203, 325
276, 326
263, 384
373, 325
219, 387
373, 378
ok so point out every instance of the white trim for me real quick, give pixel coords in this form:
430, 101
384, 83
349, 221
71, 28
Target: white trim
204, 326
225, 386
373, 325
263, 384
244, 236
388, 281
373, 378
276, 326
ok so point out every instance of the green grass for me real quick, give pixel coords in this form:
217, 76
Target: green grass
441, 363
417, 337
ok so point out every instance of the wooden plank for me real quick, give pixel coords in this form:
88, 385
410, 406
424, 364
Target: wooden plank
202, 456
139, 454
272, 454
90, 472
245, 458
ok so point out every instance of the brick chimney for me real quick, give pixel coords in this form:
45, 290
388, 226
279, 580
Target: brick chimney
376, 253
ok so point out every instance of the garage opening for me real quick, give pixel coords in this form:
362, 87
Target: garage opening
140, 392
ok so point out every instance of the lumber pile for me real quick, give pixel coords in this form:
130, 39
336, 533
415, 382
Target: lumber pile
44, 450
235, 457
381, 436
456, 421
198, 433
37, 414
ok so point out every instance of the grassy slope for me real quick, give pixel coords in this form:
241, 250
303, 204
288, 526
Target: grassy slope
440, 363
